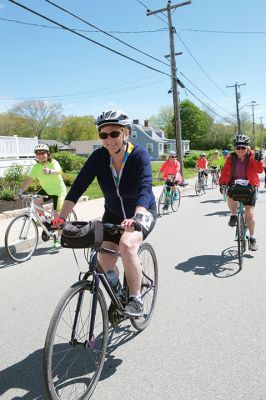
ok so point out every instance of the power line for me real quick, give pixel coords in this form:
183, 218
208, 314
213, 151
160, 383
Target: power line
204, 94
225, 32
205, 73
84, 95
81, 30
89, 39
147, 9
101, 30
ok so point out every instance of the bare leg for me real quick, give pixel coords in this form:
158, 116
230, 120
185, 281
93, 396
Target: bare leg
232, 205
129, 246
250, 218
108, 261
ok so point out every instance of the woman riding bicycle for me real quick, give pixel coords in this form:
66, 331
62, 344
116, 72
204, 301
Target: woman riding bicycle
243, 164
49, 175
124, 173
215, 164
202, 165
170, 168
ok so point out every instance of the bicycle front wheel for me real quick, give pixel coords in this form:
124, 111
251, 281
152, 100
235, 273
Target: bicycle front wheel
161, 202
199, 188
241, 238
175, 200
21, 238
149, 285
72, 360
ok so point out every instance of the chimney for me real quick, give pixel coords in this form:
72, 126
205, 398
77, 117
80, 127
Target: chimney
146, 123
136, 121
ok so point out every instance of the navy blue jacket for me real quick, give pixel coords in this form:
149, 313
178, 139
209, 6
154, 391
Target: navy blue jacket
134, 189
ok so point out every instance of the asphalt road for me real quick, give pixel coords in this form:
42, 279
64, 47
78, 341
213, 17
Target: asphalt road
206, 340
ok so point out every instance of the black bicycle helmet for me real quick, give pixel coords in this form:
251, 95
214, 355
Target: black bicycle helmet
241, 139
113, 117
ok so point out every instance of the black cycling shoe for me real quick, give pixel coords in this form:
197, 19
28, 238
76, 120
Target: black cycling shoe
253, 245
233, 220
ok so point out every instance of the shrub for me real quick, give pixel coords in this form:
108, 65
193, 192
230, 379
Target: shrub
69, 161
190, 160
14, 175
68, 179
7, 194
34, 186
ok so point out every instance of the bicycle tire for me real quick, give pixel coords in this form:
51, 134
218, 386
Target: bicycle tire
199, 188
72, 368
175, 203
19, 249
149, 285
161, 202
241, 238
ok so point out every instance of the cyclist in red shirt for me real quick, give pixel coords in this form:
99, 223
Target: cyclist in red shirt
247, 164
202, 164
170, 171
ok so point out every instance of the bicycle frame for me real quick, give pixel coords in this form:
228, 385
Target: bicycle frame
33, 212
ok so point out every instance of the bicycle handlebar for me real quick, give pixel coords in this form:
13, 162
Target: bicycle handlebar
33, 196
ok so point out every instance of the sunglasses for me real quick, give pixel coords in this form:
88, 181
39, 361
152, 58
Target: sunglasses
113, 134
173, 156
241, 147
40, 153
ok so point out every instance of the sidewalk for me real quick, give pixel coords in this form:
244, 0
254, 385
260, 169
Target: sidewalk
85, 210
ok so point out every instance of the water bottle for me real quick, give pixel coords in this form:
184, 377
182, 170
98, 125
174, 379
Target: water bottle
114, 281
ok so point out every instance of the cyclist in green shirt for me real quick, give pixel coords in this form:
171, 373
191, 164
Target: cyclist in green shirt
49, 175
215, 164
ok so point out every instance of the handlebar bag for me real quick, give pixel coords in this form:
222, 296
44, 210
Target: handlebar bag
240, 193
82, 234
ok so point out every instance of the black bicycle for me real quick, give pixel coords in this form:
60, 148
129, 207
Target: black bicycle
77, 336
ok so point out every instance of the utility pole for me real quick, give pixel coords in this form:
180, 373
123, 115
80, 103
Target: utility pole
253, 121
175, 81
262, 146
237, 94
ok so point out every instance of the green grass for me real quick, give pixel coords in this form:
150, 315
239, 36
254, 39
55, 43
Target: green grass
94, 191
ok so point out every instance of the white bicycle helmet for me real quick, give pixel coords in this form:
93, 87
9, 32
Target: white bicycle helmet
41, 146
241, 139
172, 153
113, 117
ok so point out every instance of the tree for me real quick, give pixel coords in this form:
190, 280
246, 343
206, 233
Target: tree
195, 123
164, 121
38, 114
78, 128
13, 125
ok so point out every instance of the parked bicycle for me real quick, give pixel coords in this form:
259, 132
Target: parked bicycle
200, 185
168, 197
22, 235
77, 336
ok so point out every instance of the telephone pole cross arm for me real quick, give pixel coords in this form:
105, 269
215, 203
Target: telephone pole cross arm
175, 80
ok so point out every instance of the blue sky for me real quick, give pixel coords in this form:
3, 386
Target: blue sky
39, 62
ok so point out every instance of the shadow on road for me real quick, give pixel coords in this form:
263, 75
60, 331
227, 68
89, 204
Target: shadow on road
214, 201
221, 266
219, 213
27, 374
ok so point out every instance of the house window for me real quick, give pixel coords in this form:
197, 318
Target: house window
149, 147
160, 147
134, 134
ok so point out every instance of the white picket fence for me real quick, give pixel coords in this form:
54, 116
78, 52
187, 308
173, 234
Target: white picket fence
16, 150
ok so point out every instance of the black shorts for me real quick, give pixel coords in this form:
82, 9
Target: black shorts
53, 198
113, 219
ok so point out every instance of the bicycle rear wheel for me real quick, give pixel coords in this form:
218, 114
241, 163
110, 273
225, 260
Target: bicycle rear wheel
161, 202
21, 238
149, 285
72, 362
199, 187
175, 200
241, 238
